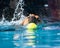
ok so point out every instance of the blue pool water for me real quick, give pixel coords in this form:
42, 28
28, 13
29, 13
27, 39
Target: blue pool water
45, 36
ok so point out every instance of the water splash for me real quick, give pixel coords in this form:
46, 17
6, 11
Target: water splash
18, 15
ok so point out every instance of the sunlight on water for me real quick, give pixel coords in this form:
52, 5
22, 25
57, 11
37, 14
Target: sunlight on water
16, 36
29, 44
30, 37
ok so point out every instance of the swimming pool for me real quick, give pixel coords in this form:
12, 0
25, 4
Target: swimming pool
46, 36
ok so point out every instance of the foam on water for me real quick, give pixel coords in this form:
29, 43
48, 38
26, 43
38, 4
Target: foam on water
52, 28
